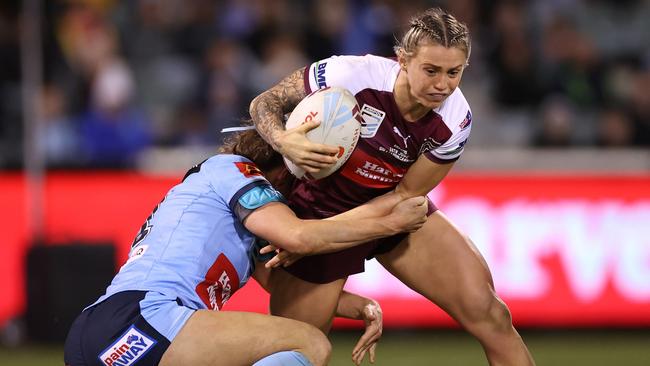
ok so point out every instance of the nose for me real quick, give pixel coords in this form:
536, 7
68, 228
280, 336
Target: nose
440, 82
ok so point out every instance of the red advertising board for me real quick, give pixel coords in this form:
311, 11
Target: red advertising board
563, 250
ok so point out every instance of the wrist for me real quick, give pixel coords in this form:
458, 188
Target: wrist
391, 225
276, 140
351, 306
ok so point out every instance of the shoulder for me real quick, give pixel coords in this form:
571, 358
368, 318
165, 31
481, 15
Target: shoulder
455, 111
457, 117
230, 164
354, 73
239, 181
367, 62
226, 172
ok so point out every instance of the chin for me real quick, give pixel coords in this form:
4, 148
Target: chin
429, 104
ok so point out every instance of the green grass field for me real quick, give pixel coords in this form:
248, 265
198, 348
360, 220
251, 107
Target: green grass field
549, 348
572, 348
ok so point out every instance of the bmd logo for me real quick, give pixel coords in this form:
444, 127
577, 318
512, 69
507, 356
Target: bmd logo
128, 349
319, 74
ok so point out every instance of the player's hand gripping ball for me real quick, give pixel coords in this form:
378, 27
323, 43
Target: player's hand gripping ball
340, 125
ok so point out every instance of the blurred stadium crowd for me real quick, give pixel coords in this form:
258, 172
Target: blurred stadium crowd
121, 77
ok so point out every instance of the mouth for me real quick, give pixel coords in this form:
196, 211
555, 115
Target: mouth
436, 97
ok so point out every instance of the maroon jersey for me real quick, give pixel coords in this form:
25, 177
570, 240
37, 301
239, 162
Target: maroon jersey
388, 145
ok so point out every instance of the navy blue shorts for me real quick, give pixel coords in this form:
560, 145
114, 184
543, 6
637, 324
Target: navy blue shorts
114, 333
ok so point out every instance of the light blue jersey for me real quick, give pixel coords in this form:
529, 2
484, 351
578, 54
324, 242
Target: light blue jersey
194, 246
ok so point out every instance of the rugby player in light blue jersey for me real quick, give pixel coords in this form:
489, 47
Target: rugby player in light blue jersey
199, 246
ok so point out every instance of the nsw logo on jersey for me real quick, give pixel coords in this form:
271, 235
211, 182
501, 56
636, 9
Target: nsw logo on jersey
248, 169
372, 119
220, 283
128, 349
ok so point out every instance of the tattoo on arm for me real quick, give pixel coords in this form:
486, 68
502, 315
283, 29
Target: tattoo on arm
267, 109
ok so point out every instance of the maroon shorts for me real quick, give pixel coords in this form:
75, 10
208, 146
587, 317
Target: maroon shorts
324, 268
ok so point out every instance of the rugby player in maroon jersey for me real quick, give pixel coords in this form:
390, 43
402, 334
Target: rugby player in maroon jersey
416, 124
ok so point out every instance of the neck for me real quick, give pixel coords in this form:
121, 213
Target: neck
408, 106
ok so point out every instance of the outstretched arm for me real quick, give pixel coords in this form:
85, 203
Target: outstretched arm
267, 111
420, 179
276, 223
375, 208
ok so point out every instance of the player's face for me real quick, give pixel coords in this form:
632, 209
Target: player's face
434, 72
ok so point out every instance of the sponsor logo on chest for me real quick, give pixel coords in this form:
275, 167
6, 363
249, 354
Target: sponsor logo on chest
378, 173
128, 349
221, 281
372, 119
370, 171
220, 291
400, 151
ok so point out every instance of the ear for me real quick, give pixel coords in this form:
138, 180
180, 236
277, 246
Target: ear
402, 62
401, 59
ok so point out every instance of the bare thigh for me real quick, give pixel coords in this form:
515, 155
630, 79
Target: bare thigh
309, 302
443, 265
236, 338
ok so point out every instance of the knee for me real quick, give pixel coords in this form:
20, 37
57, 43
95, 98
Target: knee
318, 348
499, 315
485, 309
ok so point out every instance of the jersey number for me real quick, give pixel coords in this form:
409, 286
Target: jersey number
145, 228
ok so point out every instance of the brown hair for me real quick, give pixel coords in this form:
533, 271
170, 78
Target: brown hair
434, 25
251, 145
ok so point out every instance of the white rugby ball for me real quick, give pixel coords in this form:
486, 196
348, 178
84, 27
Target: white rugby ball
338, 112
